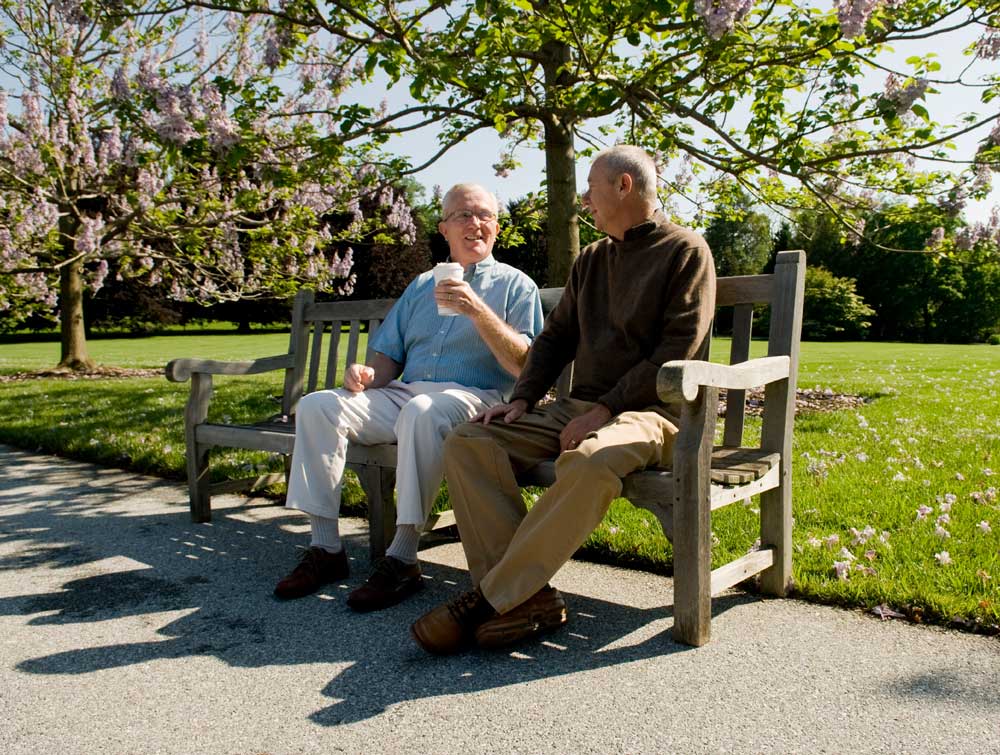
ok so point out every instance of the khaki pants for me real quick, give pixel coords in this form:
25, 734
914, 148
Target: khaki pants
512, 552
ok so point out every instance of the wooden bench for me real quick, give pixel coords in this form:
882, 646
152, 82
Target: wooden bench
702, 478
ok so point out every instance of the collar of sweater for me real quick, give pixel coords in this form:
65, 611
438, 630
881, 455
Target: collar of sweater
640, 231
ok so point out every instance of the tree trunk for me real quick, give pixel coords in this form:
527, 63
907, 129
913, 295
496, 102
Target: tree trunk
562, 230
73, 337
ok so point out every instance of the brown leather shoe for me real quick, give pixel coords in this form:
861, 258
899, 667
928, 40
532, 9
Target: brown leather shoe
542, 612
391, 581
449, 627
318, 567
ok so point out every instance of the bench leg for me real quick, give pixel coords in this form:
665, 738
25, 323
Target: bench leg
198, 477
692, 528
195, 413
379, 484
776, 532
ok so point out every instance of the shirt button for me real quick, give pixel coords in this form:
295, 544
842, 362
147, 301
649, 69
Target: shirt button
434, 354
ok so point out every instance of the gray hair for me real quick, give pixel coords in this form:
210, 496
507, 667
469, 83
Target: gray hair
625, 158
449, 197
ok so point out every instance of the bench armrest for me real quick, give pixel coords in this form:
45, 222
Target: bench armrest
681, 379
179, 370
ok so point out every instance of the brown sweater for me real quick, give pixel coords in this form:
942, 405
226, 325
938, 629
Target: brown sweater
628, 307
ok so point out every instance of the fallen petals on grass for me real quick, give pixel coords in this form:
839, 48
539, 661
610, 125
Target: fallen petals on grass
846, 554
941, 532
842, 569
923, 511
943, 558
860, 537
985, 527
884, 612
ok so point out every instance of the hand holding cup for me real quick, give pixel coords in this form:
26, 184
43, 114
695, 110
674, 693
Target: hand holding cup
446, 271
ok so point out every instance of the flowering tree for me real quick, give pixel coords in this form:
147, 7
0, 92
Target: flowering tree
793, 100
123, 149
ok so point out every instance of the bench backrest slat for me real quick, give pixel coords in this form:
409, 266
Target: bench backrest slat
373, 326
743, 289
314, 353
298, 346
550, 298
333, 350
352, 342
739, 352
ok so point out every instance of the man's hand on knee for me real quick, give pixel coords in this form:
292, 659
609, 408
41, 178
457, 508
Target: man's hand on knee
579, 428
357, 377
510, 412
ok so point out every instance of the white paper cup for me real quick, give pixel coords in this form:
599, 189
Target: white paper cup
447, 271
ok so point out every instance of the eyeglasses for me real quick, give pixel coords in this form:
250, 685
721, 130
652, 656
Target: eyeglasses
464, 216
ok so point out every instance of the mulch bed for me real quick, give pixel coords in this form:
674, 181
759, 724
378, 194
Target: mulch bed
99, 373
806, 400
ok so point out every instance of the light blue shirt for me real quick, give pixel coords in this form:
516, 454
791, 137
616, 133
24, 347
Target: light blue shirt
449, 349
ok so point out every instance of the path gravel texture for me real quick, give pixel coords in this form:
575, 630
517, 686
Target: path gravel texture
125, 628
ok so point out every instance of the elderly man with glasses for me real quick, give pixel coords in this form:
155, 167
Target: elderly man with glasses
426, 374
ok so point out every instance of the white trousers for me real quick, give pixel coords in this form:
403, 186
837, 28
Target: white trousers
415, 416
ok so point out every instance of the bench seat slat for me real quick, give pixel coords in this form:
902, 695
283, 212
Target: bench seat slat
730, 466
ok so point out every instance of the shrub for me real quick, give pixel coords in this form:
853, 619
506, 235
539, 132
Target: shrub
833, 309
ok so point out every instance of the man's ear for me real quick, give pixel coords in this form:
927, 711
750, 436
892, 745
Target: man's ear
625, 184
441, 228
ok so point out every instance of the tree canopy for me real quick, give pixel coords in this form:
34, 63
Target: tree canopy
795, 101
739, 236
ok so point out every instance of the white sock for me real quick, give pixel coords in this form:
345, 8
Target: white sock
404, 545
325, 533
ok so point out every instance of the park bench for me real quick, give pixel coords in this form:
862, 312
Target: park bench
703, 477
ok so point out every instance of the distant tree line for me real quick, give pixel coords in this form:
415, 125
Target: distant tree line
915, 274
908, 279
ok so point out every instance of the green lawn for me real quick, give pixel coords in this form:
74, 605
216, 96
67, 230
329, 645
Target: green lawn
894, 504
